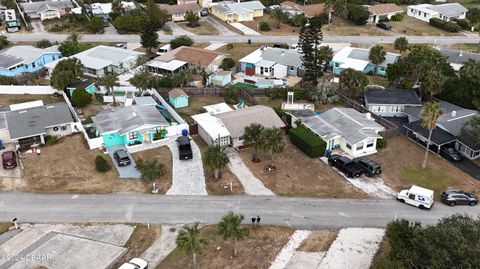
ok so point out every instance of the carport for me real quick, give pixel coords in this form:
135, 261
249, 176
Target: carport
417, 133
129, 171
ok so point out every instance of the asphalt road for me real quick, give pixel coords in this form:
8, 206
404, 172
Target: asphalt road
440, 40
305, 213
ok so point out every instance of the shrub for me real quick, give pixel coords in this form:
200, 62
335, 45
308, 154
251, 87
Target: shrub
384, 20
95, 25
101, 164
44, 43
358, 14
264, 26
382, 143
128, 24
397, 17
436, 22
452, 27
281, 93
465, 24
308, 142
227, 64
182, 40
51, 140
81, 97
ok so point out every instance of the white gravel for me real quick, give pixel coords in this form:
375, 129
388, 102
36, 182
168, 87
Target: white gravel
354, 248
289, 249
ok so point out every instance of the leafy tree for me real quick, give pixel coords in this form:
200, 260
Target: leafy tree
69, 48
74, 37
298, 20
353, 82
377, 56
101, 165
128, 23
151, 169
192, 18
473, 15
182, 78
4, 42
227, 64
65, 73
401, 44
339, 7
143, 80
313, 58
325, 93
110, 81
44, 43
155, 15
182, 40
430, 114
95, 25
149, 36
271, 142
471, 131
117, 9
230, 227
278, 16
252, 135
358, 14
264, 26
215, 159
191, 241
464, 89
81, 97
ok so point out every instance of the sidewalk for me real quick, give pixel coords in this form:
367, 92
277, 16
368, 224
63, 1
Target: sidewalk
160, 249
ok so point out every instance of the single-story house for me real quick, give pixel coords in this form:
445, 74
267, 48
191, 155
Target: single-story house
446, 12
228, 127
390, 102
177, 12
353, 132
186, 57
12, 24
178, 98
18, 60
357, 59
47, 9
308, 10
448, 130
30, 125
237, 11
104, 9
220, 78
272, 63
382, 11
86, 84
101, 60
457, 58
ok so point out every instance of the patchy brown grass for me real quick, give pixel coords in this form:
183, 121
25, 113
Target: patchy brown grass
283, 29
240, 50
343, 27
475, 48
10, 99
378, 80
412, 26
217, 186
196, 104
162, 155
319, 240
299, 175
69, 167
258, 250
4, 226
204, 28
382, 255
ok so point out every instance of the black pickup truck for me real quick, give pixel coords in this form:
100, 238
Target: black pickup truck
184, 148
347, 166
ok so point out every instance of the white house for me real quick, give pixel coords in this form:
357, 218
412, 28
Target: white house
457, 58
390, 102
104, 9
47, 9
353, 132
272, 63
382, 11
446, 12
229, 11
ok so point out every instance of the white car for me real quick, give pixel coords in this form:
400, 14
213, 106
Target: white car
135, 263
417, 196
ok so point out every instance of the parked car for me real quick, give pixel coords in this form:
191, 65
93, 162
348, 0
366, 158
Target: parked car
9, 159
384, 26
417, 196
458, 197
121, 45
184, 148
204, 12
164, 49
370, 168
347, 166
106, 23
135, 263
451, 154
121, 157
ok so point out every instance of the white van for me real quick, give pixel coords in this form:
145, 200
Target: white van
164, 49
417, 196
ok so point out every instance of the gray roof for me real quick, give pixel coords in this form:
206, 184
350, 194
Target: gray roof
145, 100
22, 54
42, 6
35, 120
126, 119
282, 56
458, 56
450, 9
3, 120
347, 123
453, 119
236, 121
362, 54
391, 96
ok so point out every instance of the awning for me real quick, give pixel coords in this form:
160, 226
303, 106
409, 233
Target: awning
439, 136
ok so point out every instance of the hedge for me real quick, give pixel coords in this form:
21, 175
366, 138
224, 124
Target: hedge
465, 24
307, 141
450, 27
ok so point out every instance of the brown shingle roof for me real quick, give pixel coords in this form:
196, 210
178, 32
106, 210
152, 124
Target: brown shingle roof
384, 9
196, 56
308, 10
177, 92
176, 9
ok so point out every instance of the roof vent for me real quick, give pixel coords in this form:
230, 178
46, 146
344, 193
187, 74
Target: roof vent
368, 116
50, 107
454, 113
461, 53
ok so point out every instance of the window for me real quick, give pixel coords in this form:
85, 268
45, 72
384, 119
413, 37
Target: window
411, 196
132, 135
382, 68
370, 143
348, 146
292, 68
337, 65
33, 65
359, 146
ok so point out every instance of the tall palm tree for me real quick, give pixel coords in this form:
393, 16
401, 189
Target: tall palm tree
110, 81
271, 142
377, 56
230, 227
191, 241
142, 80
252, 136
278, 15
215, 159
430, 115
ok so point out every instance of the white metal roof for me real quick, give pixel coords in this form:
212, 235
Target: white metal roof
421, 191
26, 105
218, 108
423, 8
253, 57
265, 63
170, 66
212, 125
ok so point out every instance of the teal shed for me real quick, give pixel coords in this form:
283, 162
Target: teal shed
178, 98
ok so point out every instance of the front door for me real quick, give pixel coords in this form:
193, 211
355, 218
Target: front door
146, 138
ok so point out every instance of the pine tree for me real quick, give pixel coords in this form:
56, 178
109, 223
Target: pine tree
310, 39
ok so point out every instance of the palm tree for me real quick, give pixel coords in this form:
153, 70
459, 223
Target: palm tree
110, 81
401, 44
339, 7
150, 169
215, 159
377, 56
192, 18
325, 54
278, 15
142, 80
190, 240
230, 227
74, 36
430, 115
271, 142
252, 136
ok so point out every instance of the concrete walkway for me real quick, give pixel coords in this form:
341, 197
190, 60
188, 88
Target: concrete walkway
289, 249
251, 184
215, 46
165, 244
244, 29
177, 30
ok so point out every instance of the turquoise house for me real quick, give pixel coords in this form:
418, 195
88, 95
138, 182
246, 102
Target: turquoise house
220, 78
357, 59
178, 98
19, 60
131, 125
85, 84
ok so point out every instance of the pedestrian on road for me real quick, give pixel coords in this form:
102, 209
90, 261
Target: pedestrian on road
253, 222
258, 221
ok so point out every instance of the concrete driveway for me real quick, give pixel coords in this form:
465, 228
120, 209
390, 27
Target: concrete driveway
177, 30
10, 173
222, 30
37, 26
129, 171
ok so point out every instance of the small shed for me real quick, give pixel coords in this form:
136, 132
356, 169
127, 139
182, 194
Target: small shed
88, 85
220, 78
178, 98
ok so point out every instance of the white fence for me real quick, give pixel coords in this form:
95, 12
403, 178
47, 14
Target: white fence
24, 89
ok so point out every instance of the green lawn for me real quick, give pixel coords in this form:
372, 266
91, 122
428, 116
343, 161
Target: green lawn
468, 47
427, 178
241, 85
